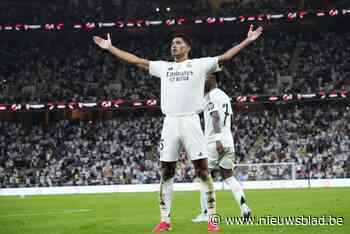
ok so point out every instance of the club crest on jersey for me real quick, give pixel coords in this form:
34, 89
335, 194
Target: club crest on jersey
170, 68
210, 106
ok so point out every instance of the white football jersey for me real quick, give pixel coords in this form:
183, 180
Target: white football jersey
217, 100
182, 84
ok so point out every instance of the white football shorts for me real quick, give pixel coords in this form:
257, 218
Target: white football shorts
182, 131
225, 160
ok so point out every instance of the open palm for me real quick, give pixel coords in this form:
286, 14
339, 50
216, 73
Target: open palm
104, 44
254, 34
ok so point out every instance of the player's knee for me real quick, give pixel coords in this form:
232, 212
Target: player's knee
168, 173
227, 173
202, 174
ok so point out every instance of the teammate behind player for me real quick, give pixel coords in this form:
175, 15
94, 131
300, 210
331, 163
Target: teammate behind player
217, 117
182, 91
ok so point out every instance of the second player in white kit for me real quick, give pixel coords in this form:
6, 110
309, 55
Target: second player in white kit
217, 117
217, 101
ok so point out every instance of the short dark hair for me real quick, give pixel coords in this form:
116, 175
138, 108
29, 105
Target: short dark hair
184, 37
211, 75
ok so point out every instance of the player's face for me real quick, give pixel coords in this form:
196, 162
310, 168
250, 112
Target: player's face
210, 83
178, 47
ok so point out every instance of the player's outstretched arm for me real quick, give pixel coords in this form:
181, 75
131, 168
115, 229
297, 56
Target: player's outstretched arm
106, 44
252, 36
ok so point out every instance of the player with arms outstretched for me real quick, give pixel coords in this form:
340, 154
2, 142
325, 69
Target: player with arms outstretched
182, 91
217, 117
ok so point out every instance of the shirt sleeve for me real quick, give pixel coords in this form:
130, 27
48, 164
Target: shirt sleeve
156, 68
211, 64
213, 104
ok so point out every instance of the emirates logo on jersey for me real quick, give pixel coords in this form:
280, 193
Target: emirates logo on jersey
179, 75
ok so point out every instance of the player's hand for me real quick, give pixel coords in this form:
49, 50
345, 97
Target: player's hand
104, 44
219, 147
253, 35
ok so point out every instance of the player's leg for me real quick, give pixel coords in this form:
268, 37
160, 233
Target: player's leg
207, 187
237, 190
203, 202
166, 189
165, 195
203, 216
226, 165
212, 159
169, 150
195, 145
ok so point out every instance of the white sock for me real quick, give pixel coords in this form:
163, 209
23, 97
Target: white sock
237, 190
203, 199
165, 197
207, 187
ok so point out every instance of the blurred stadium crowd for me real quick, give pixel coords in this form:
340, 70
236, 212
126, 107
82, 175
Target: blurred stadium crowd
63, 70
39, 11
124, 150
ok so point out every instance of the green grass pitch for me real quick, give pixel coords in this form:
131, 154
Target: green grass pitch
138, 212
